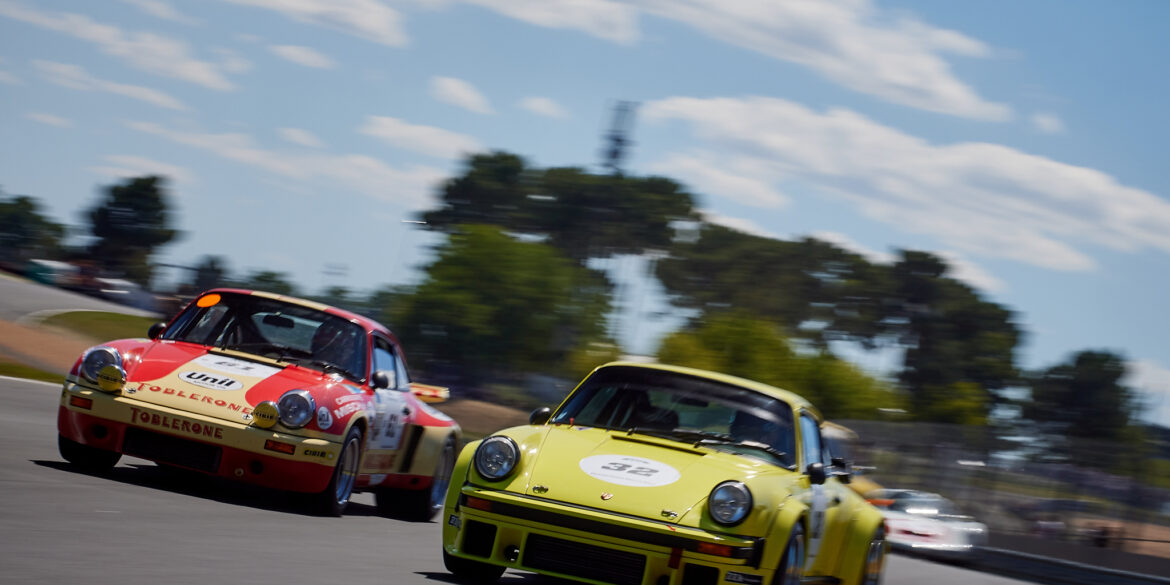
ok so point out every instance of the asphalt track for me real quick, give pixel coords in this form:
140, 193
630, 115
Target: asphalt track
140, 524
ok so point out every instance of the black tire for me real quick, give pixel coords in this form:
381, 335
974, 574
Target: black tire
469, 571
335, 498
421, 505
86, 458
791, 567
875, 559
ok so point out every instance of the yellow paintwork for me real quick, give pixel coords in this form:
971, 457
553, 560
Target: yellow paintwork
552, 478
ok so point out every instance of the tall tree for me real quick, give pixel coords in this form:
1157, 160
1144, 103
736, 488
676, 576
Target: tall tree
268, 281
210, 272
128, 223
495, 306
582, 214
1081, 400
26, 233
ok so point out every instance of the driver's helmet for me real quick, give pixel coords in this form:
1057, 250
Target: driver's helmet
335, 342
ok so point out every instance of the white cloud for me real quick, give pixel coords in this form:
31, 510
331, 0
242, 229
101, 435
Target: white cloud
459, 93
1153, 381
368, 19
302, 56
606, 19
410, 187
145, 51
123, 166
49, 119
543, 106
978, 198
742, 180
301, 137
1048, 123
74, 77
423, 139
10, 79
163, 10
888, 55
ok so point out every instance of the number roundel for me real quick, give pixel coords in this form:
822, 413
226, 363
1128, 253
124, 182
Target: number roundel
630, 471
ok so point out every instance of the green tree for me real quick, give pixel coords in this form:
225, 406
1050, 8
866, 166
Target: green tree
1082, 400
493, 306
25, 232
739, 344
582, 214
128, 223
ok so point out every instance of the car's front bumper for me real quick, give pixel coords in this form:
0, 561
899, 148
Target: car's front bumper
542, 536
115, 422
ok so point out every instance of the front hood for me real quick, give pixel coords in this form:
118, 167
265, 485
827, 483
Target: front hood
219, 385
634, 475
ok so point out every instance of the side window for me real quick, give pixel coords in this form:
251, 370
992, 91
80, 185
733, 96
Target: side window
384, 359
403, 377
810, 440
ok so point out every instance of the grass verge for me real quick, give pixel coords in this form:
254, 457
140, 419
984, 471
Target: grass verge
15, 370
101, 326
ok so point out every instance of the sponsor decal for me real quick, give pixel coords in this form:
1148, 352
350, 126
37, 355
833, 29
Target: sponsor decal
348, 409
318, 453
733, 577
240, 408
229, 365
266, 414
324, 419
630, 471
344, 399
171, 423
455, 521
211, 381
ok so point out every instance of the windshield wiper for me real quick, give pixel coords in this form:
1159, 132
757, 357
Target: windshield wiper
749, 444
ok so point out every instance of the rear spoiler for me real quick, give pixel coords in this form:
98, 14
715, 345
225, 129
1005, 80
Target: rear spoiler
428, 393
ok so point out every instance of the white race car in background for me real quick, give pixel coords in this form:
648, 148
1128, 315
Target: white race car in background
927, 523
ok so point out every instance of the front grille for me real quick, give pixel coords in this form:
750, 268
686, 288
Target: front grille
585, 561
172, 450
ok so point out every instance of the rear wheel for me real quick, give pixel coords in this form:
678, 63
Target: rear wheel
875, 559
792, 562
87, 458
421, 505
470, 571
335, 498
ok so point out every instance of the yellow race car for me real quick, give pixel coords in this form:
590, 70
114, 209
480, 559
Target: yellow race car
662, 475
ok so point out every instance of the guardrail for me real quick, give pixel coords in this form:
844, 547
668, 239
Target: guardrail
1053, 571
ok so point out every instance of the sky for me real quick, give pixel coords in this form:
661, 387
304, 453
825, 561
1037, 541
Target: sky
1021, 140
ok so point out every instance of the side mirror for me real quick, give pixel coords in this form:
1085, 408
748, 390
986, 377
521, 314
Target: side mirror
383, 379
539, 416
842, 469
156, 330
816, 473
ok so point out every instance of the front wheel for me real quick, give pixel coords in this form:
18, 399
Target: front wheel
421, 505
875, 559
87, 458
335, 498
470, 571
792, 563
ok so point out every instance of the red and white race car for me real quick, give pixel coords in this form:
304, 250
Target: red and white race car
269, 390
927, 523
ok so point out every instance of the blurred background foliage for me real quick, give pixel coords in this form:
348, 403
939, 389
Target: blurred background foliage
515, 302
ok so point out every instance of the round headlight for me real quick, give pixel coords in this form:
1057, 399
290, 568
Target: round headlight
496, 457
296, 408
730, 502
97, 358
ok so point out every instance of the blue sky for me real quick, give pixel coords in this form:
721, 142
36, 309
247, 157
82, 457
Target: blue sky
1021, 140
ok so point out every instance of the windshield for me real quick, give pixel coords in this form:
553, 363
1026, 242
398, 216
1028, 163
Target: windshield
684, 408
274, 329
